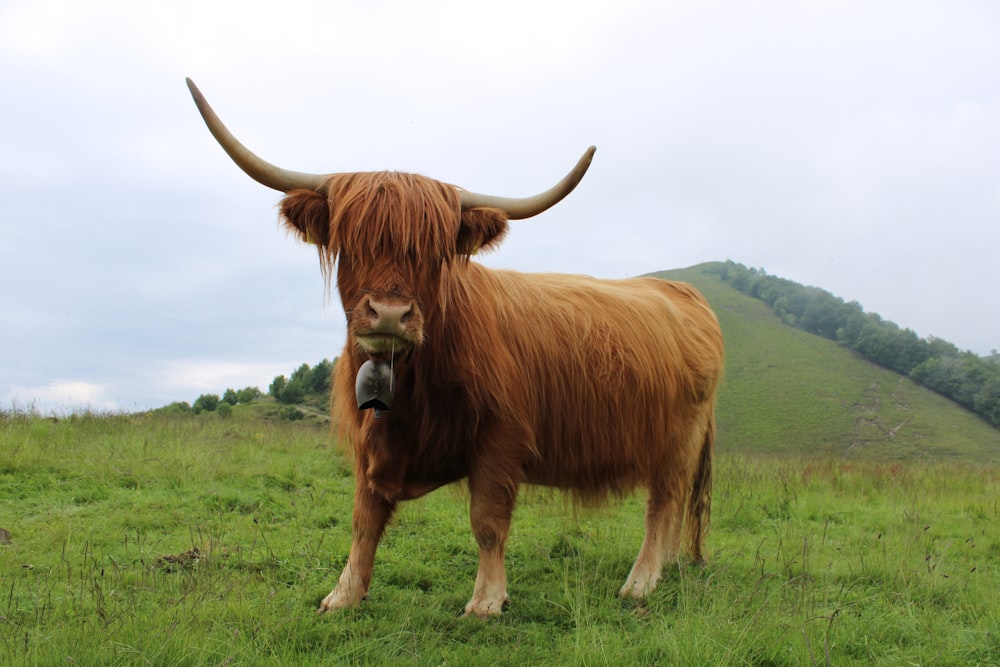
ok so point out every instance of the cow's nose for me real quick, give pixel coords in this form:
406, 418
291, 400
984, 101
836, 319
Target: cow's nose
388, 319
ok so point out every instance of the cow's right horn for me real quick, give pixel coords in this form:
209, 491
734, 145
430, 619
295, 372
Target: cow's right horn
520, 208
256, 168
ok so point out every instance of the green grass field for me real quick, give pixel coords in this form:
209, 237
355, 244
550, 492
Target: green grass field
150, 540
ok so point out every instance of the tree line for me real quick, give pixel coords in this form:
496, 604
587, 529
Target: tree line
307, 385
964, 377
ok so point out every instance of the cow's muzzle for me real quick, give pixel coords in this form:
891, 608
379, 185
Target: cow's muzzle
383, 329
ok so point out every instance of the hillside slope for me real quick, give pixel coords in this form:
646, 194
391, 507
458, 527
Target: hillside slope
790, 391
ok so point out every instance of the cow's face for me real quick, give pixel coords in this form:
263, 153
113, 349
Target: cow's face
395, 240
384, 301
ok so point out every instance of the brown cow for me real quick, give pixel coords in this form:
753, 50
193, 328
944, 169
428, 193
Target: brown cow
593, 386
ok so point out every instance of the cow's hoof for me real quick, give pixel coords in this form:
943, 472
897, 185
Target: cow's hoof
636, 590
486, 608
336, 600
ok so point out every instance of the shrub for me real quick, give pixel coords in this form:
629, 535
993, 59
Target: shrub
206, 403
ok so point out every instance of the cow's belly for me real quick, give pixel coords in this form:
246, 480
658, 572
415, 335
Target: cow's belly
596, 475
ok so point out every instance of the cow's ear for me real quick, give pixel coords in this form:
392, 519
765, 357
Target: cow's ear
481, 229
307, 215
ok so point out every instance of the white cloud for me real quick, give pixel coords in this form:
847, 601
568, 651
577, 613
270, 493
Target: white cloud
59, 396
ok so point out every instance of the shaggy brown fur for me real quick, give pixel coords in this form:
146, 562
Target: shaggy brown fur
504, 378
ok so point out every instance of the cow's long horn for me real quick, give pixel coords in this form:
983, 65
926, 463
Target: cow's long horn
520, 208
259, 170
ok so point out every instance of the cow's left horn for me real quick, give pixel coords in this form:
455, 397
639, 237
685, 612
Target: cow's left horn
256, 168
520, 208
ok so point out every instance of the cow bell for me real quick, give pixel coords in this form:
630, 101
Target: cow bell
374, 386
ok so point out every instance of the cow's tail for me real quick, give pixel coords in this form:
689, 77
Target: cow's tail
699, 505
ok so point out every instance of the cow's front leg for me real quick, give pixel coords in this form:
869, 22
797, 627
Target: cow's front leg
371, 514
492, 505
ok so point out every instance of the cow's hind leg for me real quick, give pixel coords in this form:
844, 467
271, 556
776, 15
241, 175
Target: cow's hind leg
661, 543
371, 514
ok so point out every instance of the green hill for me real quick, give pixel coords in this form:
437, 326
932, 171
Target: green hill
790, 391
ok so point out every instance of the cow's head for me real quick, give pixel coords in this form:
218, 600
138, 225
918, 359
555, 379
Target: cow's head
392, 237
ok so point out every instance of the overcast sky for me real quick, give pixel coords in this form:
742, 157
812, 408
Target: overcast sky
851, 145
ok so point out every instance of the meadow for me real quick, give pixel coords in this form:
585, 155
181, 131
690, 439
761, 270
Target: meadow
155, 540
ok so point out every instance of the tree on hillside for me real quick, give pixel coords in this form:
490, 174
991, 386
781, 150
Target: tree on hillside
319, 377
277, 386
242, 396
987, 401
298, 385
293, 392
248, 395
205, 403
